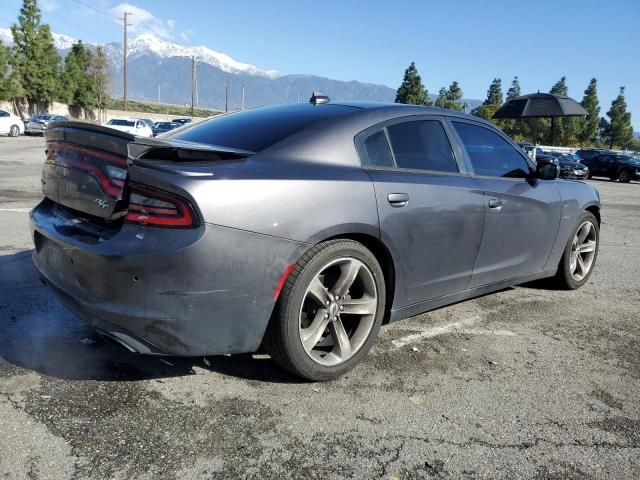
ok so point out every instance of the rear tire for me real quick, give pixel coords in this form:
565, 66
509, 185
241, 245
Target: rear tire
624, 177
14, 131
317, 341
580, 253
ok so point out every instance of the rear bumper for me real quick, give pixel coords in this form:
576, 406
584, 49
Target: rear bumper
204, 291
39, 129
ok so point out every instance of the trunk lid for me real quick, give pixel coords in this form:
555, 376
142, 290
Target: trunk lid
86, 167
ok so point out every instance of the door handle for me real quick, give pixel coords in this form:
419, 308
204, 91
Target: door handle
495, 204
398, 199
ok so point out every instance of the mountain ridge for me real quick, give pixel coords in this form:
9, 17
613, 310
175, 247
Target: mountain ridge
160, 70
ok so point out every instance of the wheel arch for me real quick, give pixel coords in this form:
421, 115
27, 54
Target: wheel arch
595, 209
385, 259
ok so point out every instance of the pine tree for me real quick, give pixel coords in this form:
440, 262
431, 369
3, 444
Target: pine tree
451, 98
563, 130
77, 84
516, 128
560, 87
492, 102
8, 86
441, 101
514, 89
35, 60
588, 130
618, 131
411, 90
100, 77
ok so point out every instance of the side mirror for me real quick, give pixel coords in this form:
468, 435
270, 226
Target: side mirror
547, 168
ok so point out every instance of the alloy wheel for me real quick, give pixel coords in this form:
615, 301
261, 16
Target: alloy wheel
338, 311
624, 177
583, 251
14, 132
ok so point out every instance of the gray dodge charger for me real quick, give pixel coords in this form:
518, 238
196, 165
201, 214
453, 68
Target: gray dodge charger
300, 229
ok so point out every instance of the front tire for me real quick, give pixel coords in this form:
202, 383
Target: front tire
329, 311
14, 131
579, 257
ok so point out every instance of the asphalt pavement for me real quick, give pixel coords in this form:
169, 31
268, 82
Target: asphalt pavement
526, 383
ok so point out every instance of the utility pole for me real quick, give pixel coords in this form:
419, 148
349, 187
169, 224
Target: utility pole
242, 105
124, 45
226, 94
193, 82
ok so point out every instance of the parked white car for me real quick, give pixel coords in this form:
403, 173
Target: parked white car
134, 126
10, 124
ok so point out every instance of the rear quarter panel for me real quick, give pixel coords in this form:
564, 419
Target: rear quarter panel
576, 197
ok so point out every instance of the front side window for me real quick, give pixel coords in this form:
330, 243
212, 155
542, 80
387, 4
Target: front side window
422, 145
490, 154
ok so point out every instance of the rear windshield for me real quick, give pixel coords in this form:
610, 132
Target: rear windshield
256, 130
120, 123
43, 117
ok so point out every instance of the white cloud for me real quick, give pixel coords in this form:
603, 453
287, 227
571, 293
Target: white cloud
142, 21
187, 34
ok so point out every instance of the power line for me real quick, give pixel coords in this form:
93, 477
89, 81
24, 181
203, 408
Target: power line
91, 7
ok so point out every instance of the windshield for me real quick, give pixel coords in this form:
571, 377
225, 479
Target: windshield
258, 129
43, 117
121, 123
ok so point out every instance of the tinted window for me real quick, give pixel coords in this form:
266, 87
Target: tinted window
255, 130
3, 113
120, 123
378, 151
490, 154
422, 145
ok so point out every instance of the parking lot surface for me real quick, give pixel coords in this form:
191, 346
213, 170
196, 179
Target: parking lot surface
525, 383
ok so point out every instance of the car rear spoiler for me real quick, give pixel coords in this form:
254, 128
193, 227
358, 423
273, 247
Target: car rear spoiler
146, 150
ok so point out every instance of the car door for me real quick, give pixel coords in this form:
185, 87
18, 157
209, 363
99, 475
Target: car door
4, 121
522, 214
431, 212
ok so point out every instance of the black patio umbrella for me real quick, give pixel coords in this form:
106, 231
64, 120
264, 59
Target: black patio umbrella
540, 105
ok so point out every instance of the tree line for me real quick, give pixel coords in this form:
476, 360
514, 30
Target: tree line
33, 75
589, 131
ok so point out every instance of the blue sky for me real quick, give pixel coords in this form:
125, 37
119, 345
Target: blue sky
374, 41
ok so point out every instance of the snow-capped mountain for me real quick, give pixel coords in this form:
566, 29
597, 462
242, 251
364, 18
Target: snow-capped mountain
60, 41
148, 43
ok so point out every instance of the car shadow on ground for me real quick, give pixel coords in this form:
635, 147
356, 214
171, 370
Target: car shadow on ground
39, 334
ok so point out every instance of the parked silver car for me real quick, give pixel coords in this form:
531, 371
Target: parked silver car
37, 124
302, 228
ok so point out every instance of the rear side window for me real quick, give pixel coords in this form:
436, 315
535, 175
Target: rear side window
378, 151
490, 154
422, 145
258, 129
3, 113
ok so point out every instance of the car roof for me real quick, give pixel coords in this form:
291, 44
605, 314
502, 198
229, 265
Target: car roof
408, 109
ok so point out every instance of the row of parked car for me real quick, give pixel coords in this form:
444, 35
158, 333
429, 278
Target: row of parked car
145, 127
592, 162
13, 125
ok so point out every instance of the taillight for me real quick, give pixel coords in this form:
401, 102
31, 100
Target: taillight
149, 206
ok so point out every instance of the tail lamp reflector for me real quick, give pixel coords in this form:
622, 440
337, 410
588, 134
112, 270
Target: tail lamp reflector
149, 206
